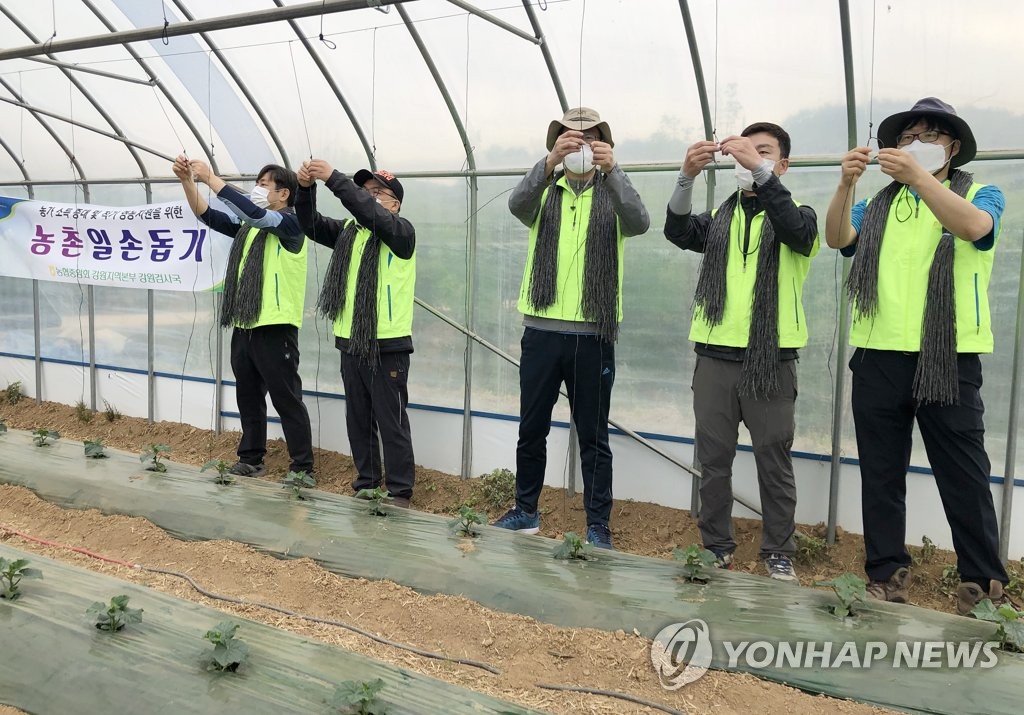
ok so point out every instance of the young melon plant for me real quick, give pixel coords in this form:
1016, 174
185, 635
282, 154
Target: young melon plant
849, 588
11, 574
297, 481
3, 426
94, 449
573, 546
83, 413
115, 616
358, 697
221, 467
42, 437
228, 652
377, 498
152, 454
1010, 622
697, 562
467, 522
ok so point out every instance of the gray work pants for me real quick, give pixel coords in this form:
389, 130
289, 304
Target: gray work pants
718, 408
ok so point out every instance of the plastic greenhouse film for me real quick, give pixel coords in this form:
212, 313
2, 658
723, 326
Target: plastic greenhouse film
54, 660
513, 573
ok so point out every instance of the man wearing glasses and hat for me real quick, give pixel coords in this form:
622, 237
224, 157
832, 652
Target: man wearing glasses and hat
571, 300
368, 293
923, 252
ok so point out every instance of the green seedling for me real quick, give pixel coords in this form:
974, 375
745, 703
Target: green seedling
111, 412
228, 651
468, 519
949, 580
1016, 572
116, 616
14, 392
849, 588
359, 697
221, 467
296, 481
42, 436
497, 490
152, 454
573, 546
83, 413
94, 449
377, 498
1010, 622
697, 563
810, 549
3, 426
926, 553
11, 574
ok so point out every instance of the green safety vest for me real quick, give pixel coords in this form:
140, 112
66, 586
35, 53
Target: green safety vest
396, 289
734, 330
903, 267
572, 247
284, 281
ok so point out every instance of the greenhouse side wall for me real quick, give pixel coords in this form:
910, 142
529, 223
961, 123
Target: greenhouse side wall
641, 474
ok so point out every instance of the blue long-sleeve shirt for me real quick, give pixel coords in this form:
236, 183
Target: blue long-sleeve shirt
284, 223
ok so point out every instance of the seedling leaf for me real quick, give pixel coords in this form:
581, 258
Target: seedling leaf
94, 449
12, 573
573, 546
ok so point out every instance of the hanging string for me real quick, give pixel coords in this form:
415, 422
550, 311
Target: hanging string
373, 97
21, 123
78, 279
163, 35
53, 19
330, 45
312, 249
871, 89
298, 93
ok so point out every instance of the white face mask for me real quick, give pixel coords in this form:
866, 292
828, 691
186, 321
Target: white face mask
579, 162
259, 196
931, 157
745, 177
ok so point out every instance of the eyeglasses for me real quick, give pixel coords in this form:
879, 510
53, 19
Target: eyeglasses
377, 191
927, 137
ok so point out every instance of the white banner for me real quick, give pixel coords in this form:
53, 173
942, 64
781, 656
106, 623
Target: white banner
158, 246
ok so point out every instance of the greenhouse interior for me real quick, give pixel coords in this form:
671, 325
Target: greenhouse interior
461, 100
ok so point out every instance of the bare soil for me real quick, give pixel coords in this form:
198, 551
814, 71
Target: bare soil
526, 651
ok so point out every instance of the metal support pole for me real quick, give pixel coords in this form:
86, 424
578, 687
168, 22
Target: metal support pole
36, 339
837, 406
1009, 471
150, 358
92, 346
218, 369
467, 388
495, 21
193, 27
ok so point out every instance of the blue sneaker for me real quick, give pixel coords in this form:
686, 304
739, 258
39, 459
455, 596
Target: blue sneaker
600, 536
723, 560
780, 568
515, 519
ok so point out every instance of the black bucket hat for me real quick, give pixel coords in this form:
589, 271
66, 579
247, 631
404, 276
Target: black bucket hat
891, 126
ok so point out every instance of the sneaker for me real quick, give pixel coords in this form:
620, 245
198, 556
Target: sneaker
894, 590
969, 595
600, 536
780, 568
401, 502
241, 469
723, 560
515, 519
